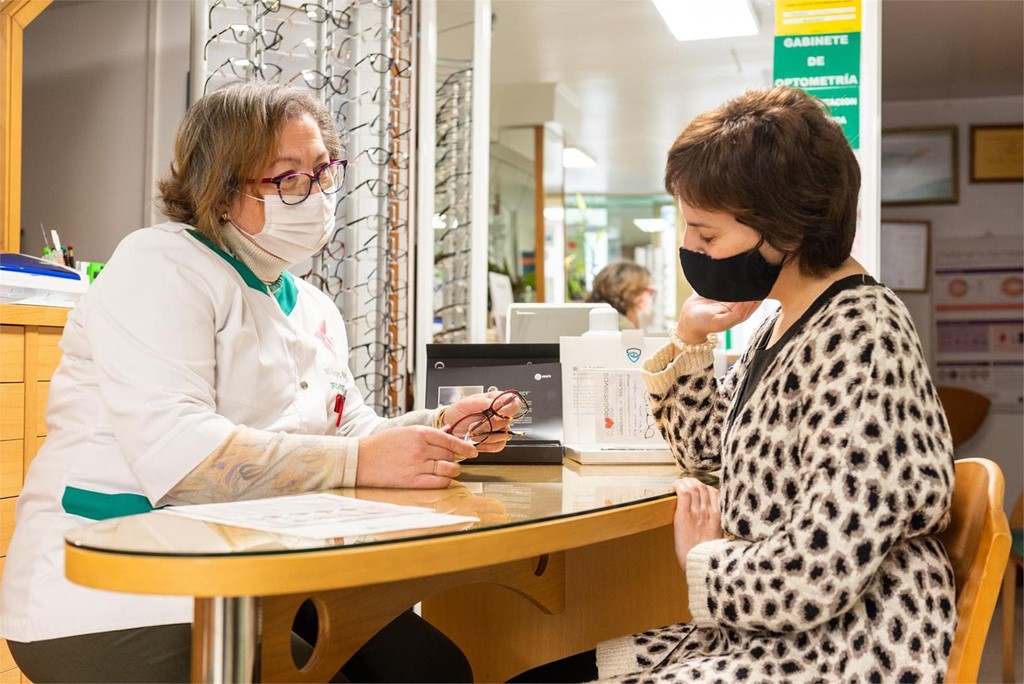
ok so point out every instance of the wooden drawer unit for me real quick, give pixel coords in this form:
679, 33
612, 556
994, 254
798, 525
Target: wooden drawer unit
12, 467
29, 354
31, 449
6, 523
8, 671
12, 410
42, 398
12, 353
47, 351
6, 661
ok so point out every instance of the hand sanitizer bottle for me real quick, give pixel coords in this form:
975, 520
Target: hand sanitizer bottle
604, 322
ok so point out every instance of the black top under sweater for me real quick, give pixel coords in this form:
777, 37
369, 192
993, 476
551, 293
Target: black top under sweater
761, 357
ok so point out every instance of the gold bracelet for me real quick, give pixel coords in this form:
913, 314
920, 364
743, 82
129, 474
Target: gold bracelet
439, 418
709, 344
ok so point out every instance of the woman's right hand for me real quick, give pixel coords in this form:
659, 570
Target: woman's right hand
416, 456
699, 317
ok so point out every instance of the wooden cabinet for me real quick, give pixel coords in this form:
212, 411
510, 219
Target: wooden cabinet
29, 353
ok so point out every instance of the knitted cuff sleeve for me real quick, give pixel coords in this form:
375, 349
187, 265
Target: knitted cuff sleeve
698, 570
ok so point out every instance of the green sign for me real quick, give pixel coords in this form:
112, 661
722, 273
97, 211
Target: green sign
828, 67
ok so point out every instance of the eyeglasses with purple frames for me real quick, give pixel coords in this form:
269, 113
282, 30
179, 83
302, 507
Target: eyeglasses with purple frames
293, 187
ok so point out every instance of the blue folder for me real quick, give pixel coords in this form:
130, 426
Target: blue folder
23, 263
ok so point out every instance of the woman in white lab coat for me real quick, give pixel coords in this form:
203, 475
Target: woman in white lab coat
197, 369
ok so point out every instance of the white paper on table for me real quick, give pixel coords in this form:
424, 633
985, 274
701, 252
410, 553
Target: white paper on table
319, 516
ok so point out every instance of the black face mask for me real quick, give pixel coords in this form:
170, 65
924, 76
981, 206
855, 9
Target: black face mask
745, 277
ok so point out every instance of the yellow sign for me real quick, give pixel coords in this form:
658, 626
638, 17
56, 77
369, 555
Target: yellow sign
813, 17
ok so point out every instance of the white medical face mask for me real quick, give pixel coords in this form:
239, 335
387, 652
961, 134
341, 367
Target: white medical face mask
295, 232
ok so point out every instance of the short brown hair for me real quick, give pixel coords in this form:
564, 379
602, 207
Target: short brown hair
620, 283
776, 161
227, 136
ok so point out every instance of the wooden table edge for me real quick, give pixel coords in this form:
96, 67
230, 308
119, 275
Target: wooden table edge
269, 574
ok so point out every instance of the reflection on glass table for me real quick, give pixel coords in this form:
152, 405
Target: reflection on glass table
497, 496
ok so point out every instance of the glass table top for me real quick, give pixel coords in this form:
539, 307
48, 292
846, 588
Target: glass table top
498, 495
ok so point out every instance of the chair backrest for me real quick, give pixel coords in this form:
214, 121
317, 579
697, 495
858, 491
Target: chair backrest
965, 411
977, 542
1017, 516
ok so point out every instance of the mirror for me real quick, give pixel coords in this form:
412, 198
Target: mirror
563, 75
15, 15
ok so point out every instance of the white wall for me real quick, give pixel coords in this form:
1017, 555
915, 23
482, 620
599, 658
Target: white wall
996, 208
96, 120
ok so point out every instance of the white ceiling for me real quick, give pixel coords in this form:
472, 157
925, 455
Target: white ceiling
637, 86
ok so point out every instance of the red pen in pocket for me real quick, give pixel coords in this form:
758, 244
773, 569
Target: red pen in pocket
339, 407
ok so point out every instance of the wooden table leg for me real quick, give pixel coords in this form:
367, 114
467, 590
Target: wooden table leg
612, 589
347, 618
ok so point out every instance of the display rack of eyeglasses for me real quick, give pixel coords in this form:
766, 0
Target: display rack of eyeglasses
355, 56
452, 191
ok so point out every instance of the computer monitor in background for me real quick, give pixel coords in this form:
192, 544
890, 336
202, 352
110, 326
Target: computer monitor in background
548, 322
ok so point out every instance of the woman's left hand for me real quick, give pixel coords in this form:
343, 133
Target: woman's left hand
698, 518
476, 404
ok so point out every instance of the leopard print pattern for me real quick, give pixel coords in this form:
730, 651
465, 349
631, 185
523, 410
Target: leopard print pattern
836, 474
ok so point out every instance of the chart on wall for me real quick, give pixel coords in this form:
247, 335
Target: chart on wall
978, 297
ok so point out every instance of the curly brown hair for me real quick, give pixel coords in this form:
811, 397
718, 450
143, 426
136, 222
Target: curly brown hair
226, 136
620, 283
778, 163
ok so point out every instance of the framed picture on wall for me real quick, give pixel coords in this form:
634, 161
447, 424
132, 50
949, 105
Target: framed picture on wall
905, 247
997, 153
919, 166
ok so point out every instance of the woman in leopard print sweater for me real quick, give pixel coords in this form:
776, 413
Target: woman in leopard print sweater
835, 457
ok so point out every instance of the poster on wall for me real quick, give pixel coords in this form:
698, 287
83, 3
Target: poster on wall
817, 48
978, 297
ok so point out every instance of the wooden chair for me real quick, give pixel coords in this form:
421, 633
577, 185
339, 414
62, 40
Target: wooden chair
1010, 594
977, 542
965, 411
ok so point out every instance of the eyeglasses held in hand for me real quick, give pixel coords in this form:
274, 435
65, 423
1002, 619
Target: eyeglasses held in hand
479, 427
293, 187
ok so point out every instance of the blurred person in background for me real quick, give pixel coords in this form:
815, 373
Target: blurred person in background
626, 286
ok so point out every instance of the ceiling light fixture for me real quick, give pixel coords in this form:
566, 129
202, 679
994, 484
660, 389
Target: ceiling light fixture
652, 225
575, 158
705, 19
